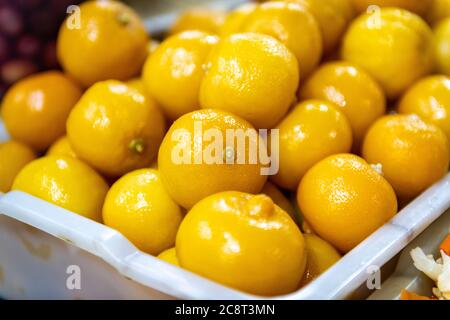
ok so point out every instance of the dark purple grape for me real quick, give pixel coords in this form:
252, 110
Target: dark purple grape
49, 59
15, 70
43, 23
4, 49
28, 4
11, 22
28, 46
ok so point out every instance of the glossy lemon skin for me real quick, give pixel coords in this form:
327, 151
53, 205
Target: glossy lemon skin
187, 183
242, 241
442, 46
439, 10
236, 19
429, 98
320, 257
312, 131
62, 147
354, 91
35, 109
344, 200
173, 73
413, 154
138, 206
205, 20
395, 64
333, 17
66, 182
244, 68
111, 43
294, 26
280, 199
105, 125
170, 256
420, 7
13, 157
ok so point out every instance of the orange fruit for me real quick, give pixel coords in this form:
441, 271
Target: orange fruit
312, 131
173, 73
413, 154
243, 241
115, 128
417, 6
242, 69
35, 109
345, 200
429, 98
205, 20
350, 88
110, 43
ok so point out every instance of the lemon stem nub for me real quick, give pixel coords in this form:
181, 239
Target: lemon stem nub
137, 145
260, 206
123, 19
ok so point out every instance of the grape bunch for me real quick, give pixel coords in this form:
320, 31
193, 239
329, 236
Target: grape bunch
28, 31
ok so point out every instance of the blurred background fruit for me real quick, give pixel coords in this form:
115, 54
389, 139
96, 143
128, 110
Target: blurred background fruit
28, 30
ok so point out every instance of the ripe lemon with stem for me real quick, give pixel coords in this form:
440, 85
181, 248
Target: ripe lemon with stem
66, 182
115, 128
243, 241
110, 42
345, 200
194, 165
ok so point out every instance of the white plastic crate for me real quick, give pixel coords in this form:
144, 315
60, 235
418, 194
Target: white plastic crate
34, 261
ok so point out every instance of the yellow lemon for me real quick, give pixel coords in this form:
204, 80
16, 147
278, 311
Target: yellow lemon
429, 98
109, 43
344, 200
199, 19
13, 157
442, 46
312, 131
194, 163
236, 19
62, 147
320, 257
333, 17
394, 45
294, 26
243, 241
115, 128
413, 154
35, 109
66, 182
243, 70
170, 256
417, 6
138, 206
355, 92
173, 73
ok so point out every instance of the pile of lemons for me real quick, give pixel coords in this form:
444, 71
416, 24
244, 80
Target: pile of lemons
358, 90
